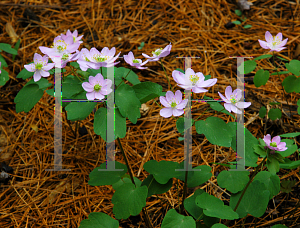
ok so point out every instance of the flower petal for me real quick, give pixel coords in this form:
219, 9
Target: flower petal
166, 112
99, 96
182, 104
269, 37
164, 102
228, 92
267, 139
169, 96
90, 96
87, 87
178, 96
263, 44
178, 112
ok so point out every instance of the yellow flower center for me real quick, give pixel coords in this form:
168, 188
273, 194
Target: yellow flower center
194, 79
273, 144
233, 99
97, 87
60, 45
38, 66
173, 105
100, 58
157, 52
275, 41
135, 61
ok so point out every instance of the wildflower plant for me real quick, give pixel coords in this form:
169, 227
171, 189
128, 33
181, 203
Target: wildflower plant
250, 194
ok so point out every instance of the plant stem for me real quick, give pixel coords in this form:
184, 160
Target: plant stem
144, 210
124, 78
184, 188
75, 73
166, 76
254, 174
282, 87
243, 193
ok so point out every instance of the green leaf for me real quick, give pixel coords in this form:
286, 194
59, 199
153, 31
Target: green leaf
84, 74
238, 12
210, 221
129, 105
182, 71
75, 64
129, 200
271, 182
80, 110
254, 201
294, 134
236, 22
259, 150
191, 207
162, 171
261, 77
249, 66
132, 77
215, 207
7, 48
125, 180
106, 177
93, 72
99, 220
215, 130
24, 74
3, 62
206, 77
247, 26
233, 181
274, 103
281, 72
27, 97
154, 187
146, 91
50, 92
195, 177
250, 141
180, 124
291, 148
290, 83
287, 185
100, 124
281, 58
71, 86
279, 226
274, 113
219, 225
293, 67
175, 220
262, 112
16, 47
272, 165
263, 57
3, 77
288, 164
43, 83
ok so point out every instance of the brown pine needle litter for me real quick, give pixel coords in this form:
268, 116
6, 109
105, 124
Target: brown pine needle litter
34, 197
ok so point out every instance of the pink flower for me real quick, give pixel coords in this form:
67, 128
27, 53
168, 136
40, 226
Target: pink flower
273, 43
94, 59
76, 38
193, 81
173, 103
97, 87
232, 100
158, 53
275, 144
134, 62
40, 67
60, 47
